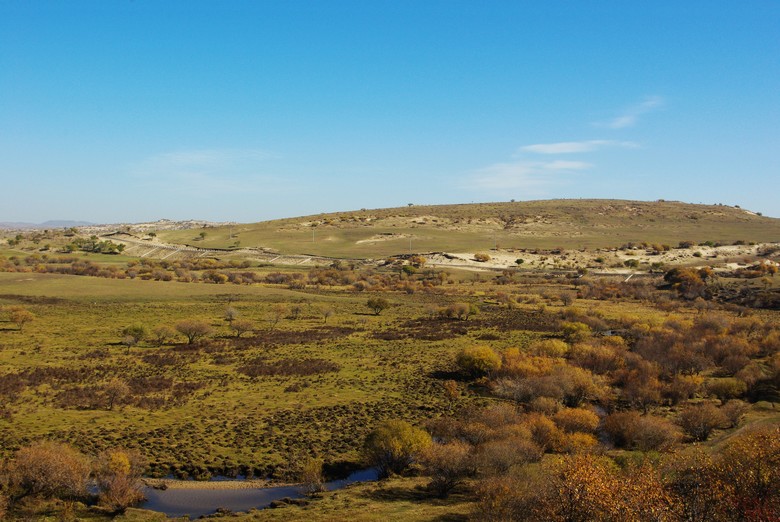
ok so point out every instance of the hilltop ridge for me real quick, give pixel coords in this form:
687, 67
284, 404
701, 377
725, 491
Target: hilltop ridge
566, 224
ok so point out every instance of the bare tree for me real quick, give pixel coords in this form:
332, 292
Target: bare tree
116, 389
242, 326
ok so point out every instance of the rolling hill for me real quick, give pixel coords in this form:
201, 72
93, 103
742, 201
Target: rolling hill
566, 224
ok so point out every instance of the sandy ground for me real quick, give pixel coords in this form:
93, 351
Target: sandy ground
721, 258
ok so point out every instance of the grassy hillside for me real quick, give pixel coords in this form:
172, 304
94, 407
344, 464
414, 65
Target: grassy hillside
474, 227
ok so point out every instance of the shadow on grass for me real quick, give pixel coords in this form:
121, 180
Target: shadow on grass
419, 495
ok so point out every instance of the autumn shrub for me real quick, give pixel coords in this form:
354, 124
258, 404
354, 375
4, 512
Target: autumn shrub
726, 388
545, 433
573, 420
545, 405
734, 410
377, 304
394, 445
118, 475
699, 420
621, 427
50, 470
578, 487
311, 475
682, 387
549, 348
496, 457
695, 487
575, 331
750, 466
447, 465
578, 442
599, 358
506, 499
653, 433
476, 361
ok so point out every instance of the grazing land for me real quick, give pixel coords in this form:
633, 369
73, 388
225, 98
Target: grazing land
600, 339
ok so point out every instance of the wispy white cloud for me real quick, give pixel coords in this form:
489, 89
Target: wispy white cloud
631, 115
571, 147
532, 177
206, 171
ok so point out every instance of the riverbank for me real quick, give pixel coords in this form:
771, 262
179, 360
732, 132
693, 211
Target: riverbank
165, 484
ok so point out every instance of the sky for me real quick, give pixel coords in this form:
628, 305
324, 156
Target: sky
127, 111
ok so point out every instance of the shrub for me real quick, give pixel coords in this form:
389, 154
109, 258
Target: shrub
750, 467
575, 332
481, 257
576, 420
162, 334
699, 420
394, 445
734, 410
377, 304
447, 465
117, 474
550, 348
136, 332
51, 470
21, 317
621, 427
727, 388
477, 361
311, 476
496, 457
655, 434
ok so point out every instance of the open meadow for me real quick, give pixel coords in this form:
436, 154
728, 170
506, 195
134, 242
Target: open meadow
496, 388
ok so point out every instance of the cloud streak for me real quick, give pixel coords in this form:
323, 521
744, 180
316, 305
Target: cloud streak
572, 147
630, 117
533, 177
206, 171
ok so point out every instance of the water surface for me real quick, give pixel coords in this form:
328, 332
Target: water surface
203, 501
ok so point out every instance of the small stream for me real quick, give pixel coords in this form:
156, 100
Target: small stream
203, 501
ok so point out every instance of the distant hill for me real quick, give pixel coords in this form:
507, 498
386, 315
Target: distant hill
44, 225
568, 224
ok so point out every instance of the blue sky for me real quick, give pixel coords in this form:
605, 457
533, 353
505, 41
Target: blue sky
116, 111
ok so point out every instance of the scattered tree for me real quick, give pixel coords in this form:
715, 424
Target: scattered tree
21, 317
135, 333
377, 304
311, 476
162, 334
115, 390
231, 314
193, 329
242, 326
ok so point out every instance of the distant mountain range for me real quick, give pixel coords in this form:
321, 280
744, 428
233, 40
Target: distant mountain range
47, 224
